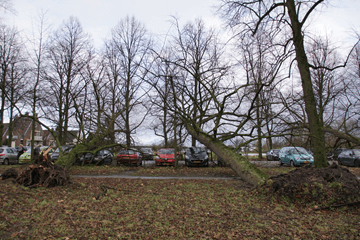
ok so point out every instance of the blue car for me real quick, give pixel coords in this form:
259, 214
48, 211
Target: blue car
295, 156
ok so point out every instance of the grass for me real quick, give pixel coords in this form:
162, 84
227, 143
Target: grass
162, 209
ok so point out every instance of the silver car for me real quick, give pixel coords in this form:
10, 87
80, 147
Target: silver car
8, 155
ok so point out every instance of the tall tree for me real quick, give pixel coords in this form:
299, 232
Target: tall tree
10, 49
68, 52
196, 51
36, 56
126, 57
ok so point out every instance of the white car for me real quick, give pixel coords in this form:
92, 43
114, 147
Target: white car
8, 155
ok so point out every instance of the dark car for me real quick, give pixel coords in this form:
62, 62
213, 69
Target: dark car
129, 156
273, 155
101, 157
55, 155
147, 153
337, 152
196, 156
349, 157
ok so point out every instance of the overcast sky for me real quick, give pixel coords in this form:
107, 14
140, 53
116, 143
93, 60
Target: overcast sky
98, 17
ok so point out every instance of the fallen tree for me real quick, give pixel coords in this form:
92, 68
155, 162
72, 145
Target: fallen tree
245, 170
43, 173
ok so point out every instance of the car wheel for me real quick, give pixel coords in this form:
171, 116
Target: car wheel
357, 163
292, 163
6, 161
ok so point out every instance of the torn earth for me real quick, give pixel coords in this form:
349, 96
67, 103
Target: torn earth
309, 185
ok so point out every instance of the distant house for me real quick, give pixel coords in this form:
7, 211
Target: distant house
22, 132
71, 138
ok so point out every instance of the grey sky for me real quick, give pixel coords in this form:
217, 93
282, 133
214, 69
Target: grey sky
338, 20
98, 17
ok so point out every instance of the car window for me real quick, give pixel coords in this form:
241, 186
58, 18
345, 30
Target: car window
357, 152
8, 150
345, 153
166, 151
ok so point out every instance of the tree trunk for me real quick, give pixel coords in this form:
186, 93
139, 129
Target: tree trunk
316, 129
245, 170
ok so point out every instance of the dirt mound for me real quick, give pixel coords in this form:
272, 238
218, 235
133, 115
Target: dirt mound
324, 186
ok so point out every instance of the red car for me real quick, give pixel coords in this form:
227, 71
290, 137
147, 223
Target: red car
129, 156
165, 156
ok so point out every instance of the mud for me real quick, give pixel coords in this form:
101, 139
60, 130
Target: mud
324, 186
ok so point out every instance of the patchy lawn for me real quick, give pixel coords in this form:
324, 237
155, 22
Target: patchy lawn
168, 171
162, 209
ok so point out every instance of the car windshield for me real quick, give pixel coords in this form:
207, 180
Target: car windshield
299, 150
166, 151
198, 150
127, 152
146, 150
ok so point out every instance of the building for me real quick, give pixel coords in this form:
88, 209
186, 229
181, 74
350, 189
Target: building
22, 132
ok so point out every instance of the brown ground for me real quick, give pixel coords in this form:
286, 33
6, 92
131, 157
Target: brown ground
326, 186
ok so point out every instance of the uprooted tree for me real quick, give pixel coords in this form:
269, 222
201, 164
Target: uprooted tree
42, 173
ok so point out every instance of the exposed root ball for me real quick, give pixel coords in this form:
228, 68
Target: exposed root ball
43, 174
324, 186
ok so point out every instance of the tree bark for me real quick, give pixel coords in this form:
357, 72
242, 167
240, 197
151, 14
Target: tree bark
245, 170
316, 130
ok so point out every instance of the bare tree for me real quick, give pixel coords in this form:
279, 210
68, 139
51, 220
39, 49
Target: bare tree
289, 17
263, 63
10, 50
68, 52
126, 56
219, 101
36, 55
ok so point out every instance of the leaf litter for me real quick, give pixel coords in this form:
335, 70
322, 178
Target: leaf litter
166, 209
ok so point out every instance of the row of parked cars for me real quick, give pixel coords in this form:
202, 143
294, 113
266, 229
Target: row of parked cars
298, 156
193, 156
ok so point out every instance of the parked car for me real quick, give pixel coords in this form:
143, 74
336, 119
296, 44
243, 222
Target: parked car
196, 156
295, 156
129, 156
101, 157
165, 156
26, 156
337, 152
273, 155
349, 157
55, 155
147, 153
8, 155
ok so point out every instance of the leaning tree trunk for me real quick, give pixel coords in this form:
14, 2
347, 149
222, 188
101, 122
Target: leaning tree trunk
245, 170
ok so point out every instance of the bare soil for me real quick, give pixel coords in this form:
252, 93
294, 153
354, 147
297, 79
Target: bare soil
329, 186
